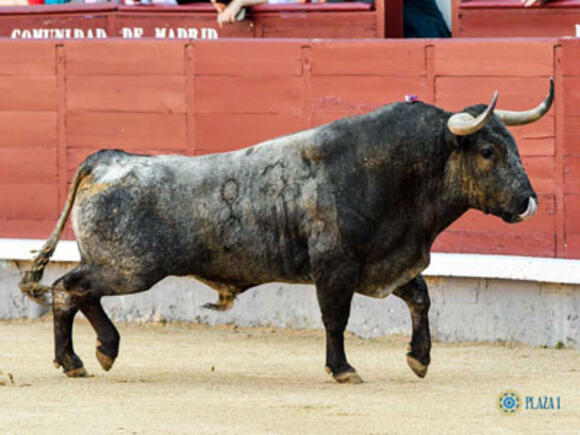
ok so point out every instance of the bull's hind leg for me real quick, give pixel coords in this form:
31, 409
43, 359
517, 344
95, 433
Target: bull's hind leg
416, 295
86, 285
335, 289
108, 337
64, 311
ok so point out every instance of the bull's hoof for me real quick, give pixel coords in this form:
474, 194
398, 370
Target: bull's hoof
417, 366
71, 364
79, 372
105, 360
106, 354
348, 377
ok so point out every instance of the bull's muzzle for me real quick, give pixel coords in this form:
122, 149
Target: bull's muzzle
530, 210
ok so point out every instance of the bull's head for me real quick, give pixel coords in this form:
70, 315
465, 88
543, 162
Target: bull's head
486, 166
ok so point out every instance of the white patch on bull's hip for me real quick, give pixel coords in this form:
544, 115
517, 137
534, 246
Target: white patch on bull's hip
530, 210
111, 173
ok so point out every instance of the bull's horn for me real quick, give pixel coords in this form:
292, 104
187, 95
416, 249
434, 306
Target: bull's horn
462, 124
510, 117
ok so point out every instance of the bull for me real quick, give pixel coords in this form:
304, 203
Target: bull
352, 207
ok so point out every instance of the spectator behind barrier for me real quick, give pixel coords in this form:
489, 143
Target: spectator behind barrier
421, 19
229, 11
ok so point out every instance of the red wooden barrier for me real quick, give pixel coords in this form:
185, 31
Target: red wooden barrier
62, 101
198, 21
508, 18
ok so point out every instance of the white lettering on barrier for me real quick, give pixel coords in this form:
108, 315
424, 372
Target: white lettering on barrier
126, 32
46, 33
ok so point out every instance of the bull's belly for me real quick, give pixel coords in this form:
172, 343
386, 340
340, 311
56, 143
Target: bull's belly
380, 280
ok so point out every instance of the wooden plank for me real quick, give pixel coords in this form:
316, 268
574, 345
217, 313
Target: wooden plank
280, 95
360, 94
536, 146
517, 23
505, 243
190, 124
570, 65
27, 58
540, 171
338, 25
572, 175
306, 86
573, 245
369, 58
61, 124
559, 154
572, 98
28, 164
242, 130
28, 200
131, 131
135, 57
536, 139
571, 135
572, 214
28, 93
28, 129
255, 58
27, 228
515, 93
572, 226
160, 94
516, 58
381, 17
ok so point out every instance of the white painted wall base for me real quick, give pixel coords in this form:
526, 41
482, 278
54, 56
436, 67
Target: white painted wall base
463, 308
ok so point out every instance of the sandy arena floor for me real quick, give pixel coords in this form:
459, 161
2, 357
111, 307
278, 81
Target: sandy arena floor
179, 378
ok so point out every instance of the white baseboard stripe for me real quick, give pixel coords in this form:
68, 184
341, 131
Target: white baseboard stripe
446, 265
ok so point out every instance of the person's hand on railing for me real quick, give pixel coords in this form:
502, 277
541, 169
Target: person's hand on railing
230, 13
528, 3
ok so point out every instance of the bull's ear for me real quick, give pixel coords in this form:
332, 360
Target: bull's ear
462, 124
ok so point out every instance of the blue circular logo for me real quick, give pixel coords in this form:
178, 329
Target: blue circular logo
509, 402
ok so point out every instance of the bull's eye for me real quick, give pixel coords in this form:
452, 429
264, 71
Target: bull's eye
487, 153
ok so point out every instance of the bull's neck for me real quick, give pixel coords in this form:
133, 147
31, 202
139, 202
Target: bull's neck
447, 200
435, 197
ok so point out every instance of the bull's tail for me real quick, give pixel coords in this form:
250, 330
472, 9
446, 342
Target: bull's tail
30, 278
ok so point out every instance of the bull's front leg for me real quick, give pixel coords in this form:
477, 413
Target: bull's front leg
416, 296
334, 289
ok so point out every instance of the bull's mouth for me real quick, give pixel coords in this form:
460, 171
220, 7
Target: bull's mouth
511, 218
527, 210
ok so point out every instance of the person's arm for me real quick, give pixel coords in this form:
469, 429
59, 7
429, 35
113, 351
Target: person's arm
528, 3
228, 15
